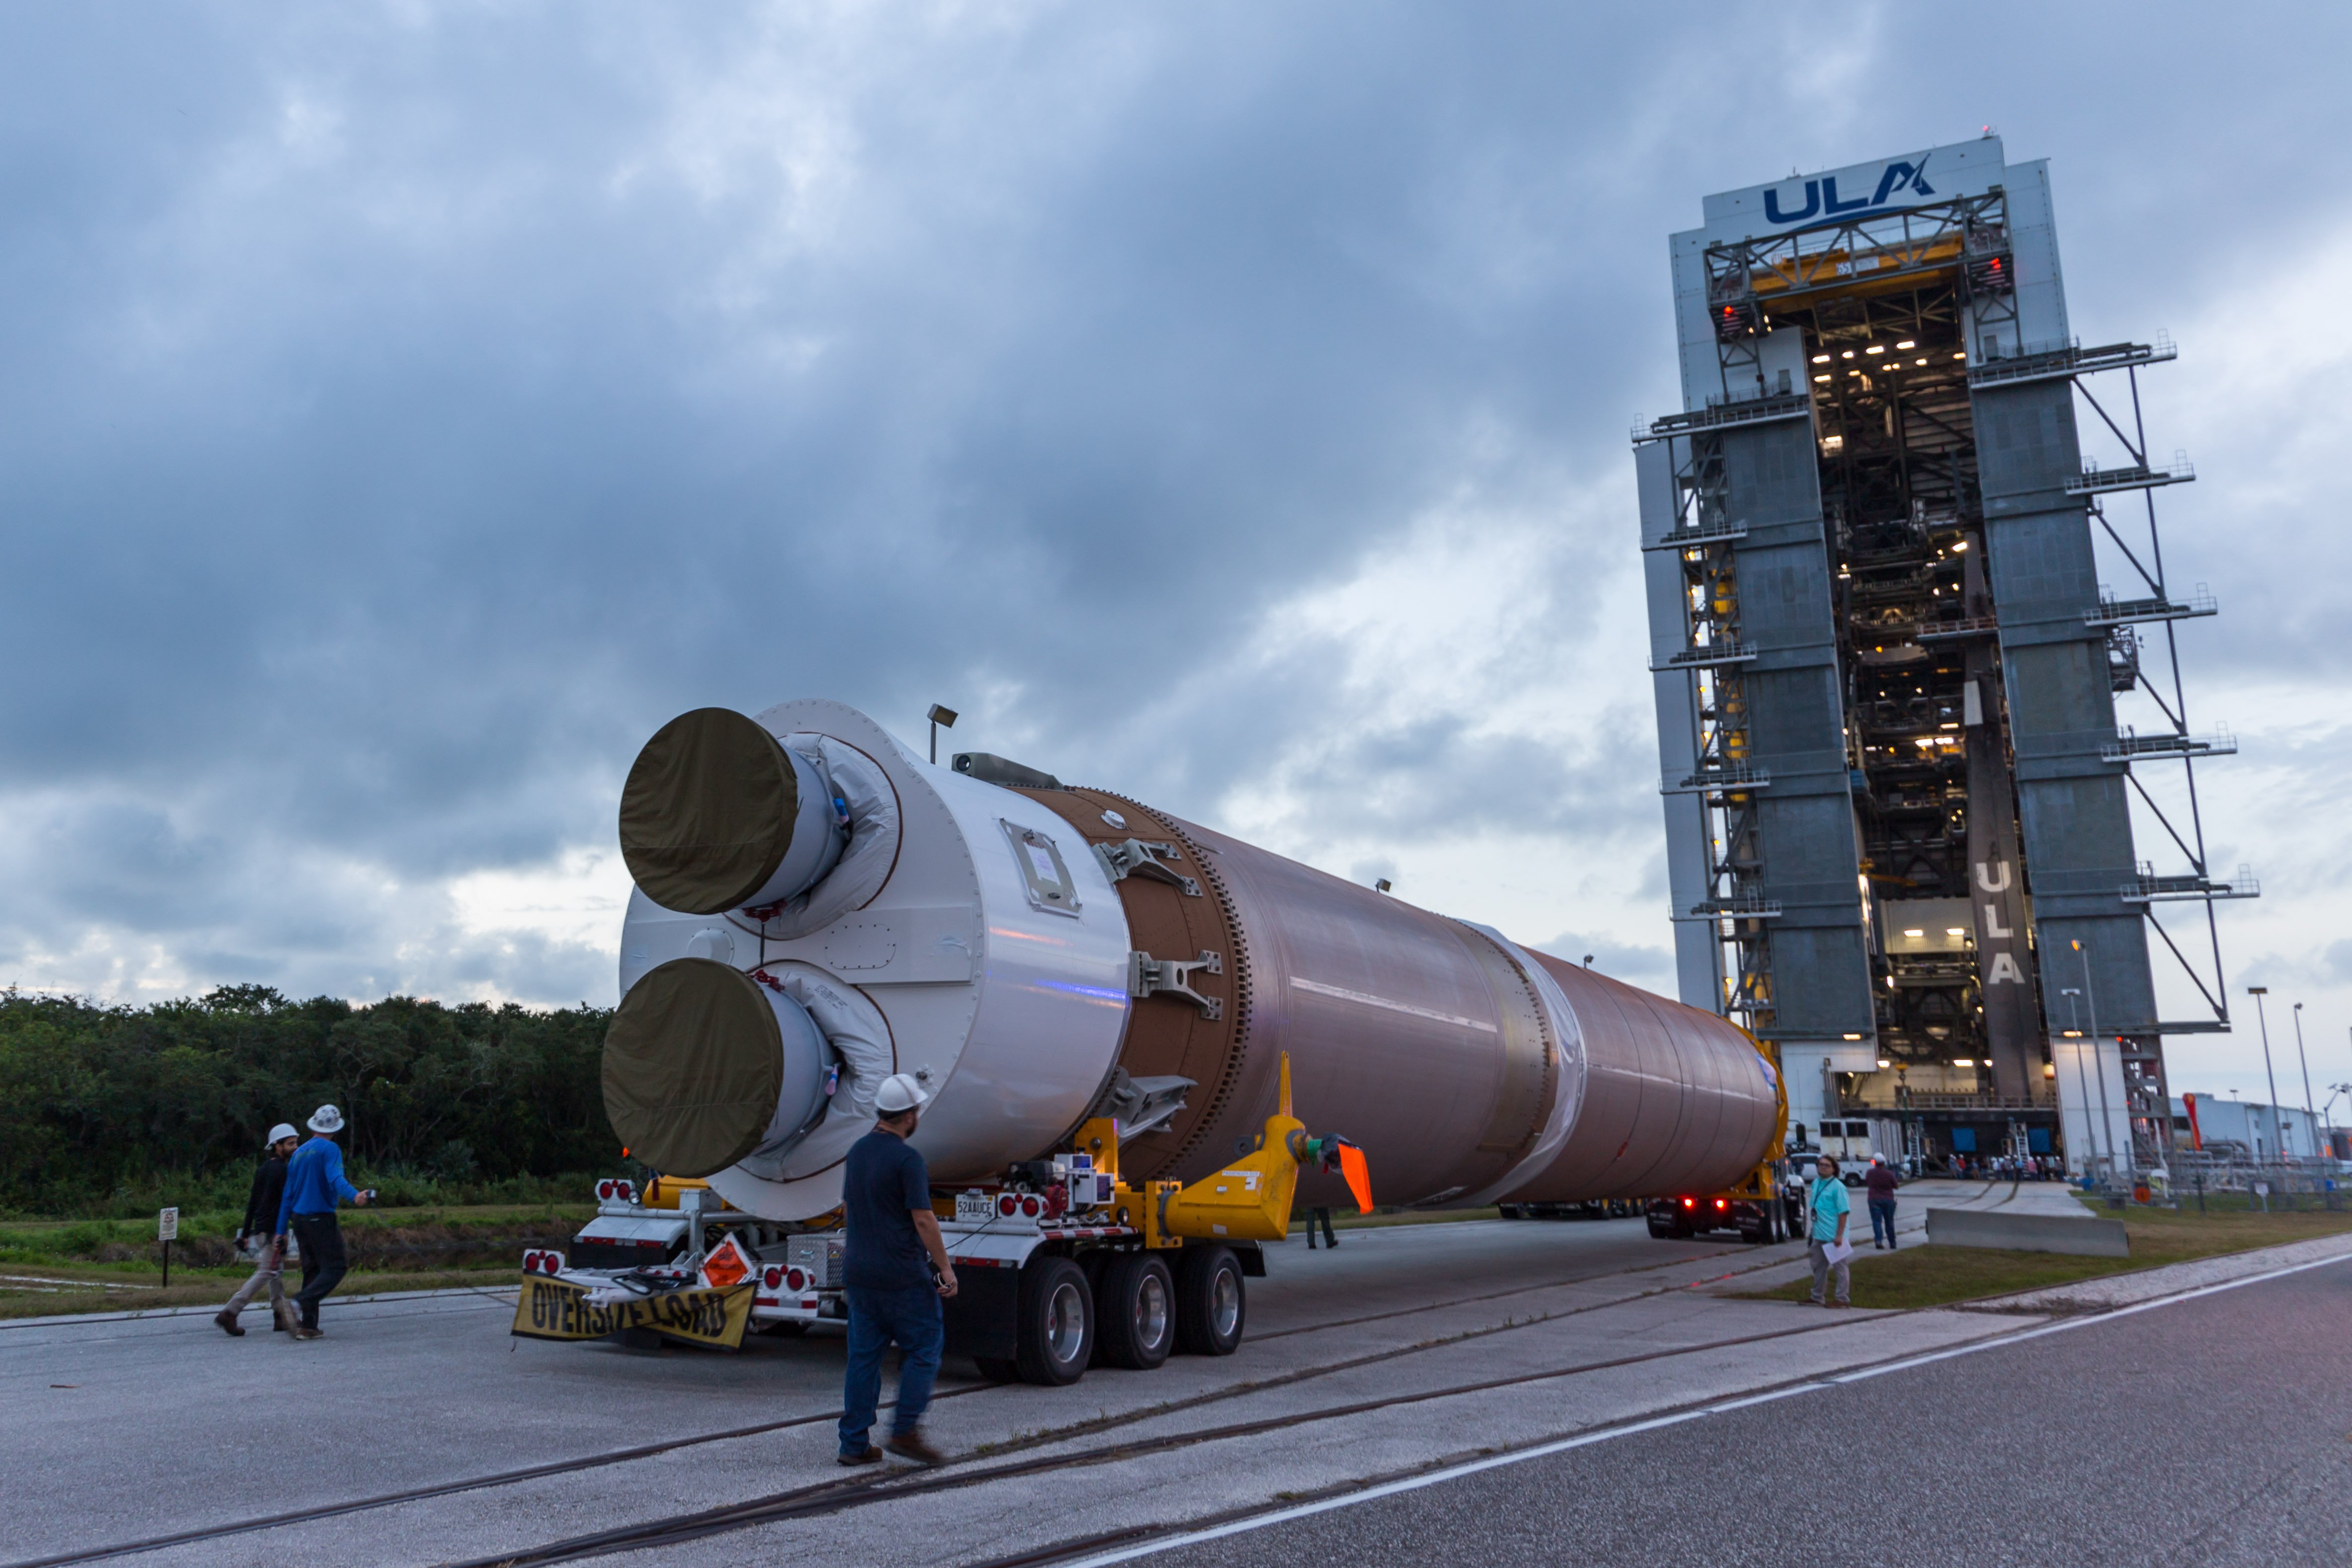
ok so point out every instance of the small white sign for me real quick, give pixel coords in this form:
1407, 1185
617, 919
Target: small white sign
2262, 1189
167, 1226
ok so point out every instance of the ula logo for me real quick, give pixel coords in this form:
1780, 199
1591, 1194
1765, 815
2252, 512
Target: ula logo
1821, 195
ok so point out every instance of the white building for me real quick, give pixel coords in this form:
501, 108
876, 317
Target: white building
2258, 1131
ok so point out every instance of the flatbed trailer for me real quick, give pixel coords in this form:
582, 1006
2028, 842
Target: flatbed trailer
1060, 1264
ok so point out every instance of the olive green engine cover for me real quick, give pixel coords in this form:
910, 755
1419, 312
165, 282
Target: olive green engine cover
706, 814
693, 1066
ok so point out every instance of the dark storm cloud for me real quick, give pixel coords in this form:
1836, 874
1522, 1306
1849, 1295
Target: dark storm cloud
404, 411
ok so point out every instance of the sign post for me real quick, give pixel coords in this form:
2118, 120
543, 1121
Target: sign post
167, 1229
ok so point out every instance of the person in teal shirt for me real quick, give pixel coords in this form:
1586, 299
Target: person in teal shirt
1826, 1202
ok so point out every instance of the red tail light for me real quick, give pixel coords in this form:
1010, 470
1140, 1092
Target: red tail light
1720, 1203
774, 1277
604, 1190
1008, 1205
1690, 1202
795, 1280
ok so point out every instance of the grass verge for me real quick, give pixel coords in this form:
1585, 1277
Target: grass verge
52, 1267
67, 1289
1923, 1275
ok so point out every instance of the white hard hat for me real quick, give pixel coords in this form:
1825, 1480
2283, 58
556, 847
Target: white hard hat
899, 1093
282, 1132
326, 1118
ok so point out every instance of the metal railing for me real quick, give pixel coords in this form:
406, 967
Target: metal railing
2128, 745
2096, 481
2115, 612
2072, 359
1707, 657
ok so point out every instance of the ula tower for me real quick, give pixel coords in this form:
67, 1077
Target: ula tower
1888, 669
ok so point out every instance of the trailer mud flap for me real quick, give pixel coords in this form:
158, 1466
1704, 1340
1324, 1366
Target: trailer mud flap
553, 1310
983, 1314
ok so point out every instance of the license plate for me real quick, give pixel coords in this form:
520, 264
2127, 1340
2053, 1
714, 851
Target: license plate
974, 1208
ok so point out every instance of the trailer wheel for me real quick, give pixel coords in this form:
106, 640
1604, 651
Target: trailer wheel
1055, 1335
1136, 1299
1211, 1304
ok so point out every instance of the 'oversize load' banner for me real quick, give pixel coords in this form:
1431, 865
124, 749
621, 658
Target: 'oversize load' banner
551, 1309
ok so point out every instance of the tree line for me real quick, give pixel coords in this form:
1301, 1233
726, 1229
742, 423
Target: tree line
98, 1102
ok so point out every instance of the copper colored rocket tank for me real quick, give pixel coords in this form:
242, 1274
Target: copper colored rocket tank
1471, 1069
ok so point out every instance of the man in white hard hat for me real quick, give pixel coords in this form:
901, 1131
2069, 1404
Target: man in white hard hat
314, 1185
894, 1289
259, 1226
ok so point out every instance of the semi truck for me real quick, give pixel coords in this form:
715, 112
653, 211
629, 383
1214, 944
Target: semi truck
1110, 1006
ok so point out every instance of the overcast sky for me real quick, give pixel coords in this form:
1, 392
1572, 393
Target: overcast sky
406, 409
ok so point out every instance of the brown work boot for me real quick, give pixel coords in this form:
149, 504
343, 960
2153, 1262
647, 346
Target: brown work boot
869, 1454
227, 1321
302, 1334
913, 1446
282, 1318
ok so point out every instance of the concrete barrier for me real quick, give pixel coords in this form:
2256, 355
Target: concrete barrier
2086, 1236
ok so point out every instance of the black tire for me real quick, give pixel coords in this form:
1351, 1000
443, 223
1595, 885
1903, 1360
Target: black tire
1507, 1211
1057, 1328
997, 1369
1211, 1302
1136, 1311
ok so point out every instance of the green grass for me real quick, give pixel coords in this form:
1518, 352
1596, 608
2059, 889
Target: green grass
1923, 1275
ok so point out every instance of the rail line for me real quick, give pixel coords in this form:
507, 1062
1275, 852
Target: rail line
647, 1451
852, 1493
836, 1496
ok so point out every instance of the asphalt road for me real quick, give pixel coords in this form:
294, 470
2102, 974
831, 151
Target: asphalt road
2211, 1432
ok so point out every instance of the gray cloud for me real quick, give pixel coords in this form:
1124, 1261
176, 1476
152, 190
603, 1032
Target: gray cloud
404, 411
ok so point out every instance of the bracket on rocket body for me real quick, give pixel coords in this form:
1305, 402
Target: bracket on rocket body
1150, 976
1137, 858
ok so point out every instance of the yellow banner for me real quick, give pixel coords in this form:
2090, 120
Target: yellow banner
551, 1309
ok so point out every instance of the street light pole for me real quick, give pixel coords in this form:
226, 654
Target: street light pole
938, 717
2307, 1110
2082, 1080
2098, 1060
2258, 993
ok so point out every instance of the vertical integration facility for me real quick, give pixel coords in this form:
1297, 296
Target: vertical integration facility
1897, 793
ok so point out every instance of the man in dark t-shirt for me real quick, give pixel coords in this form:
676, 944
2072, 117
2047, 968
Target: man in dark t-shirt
1881, 1184
896, 1272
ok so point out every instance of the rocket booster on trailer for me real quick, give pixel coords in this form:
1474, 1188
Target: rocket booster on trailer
817, 907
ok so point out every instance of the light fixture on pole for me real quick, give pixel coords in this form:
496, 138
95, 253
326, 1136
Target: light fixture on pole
2278, 1150
2307, 1110
939, 716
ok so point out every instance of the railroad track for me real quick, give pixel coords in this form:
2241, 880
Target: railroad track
830, 1496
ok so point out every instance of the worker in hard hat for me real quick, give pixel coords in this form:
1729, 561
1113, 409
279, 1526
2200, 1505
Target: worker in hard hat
314, 1186
896, 1272
260, 1228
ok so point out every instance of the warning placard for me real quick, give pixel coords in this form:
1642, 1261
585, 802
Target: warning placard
553, 1310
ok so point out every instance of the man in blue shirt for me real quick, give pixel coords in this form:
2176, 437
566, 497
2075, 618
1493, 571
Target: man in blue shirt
314, 1185
1826, 1202
894, 1289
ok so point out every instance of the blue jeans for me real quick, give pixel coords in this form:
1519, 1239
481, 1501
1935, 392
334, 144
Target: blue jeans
1882, 1221
912, 1318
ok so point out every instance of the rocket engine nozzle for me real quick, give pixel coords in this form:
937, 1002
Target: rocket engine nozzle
718, 815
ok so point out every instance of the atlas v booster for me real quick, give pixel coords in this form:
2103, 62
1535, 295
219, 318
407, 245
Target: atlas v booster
817, 907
